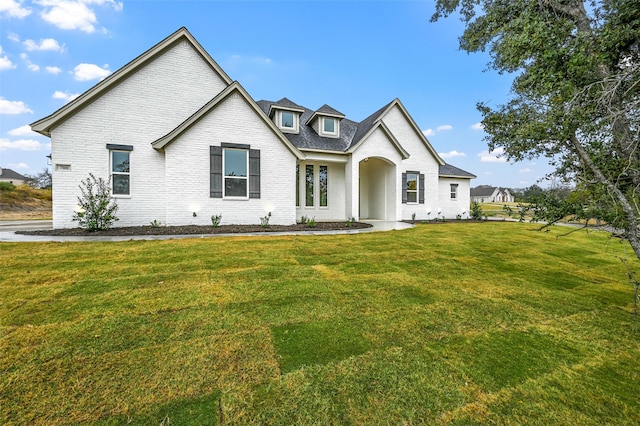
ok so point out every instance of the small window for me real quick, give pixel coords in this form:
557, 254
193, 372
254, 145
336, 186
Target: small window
120, 173
412, 187
235, 166
287, 119
329, 125
454, 191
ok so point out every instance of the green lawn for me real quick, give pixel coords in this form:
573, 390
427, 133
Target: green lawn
453, 323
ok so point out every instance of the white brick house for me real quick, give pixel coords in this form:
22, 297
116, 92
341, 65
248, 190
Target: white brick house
181, 142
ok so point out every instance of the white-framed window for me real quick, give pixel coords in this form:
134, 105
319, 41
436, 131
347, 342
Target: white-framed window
309, 184
288, 121
323, 180
412, 187
235, 165
316, 186
120, 173
454, 191
329, 125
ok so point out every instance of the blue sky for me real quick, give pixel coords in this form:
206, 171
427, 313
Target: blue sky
355, 56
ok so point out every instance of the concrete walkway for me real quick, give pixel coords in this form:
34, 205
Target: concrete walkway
8, 232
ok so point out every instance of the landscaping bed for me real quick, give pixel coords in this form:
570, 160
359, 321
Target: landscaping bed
198, 229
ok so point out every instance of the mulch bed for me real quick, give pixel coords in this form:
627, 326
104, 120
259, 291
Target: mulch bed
197, 230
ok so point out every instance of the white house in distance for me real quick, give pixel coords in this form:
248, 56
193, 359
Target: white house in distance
180, 141
491, 194
15, 178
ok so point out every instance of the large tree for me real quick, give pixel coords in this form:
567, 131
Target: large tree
575, 95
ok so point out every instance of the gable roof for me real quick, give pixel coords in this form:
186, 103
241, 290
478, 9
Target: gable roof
10, 174
284, 104
447, 170
46, 124
483, 190
234, 87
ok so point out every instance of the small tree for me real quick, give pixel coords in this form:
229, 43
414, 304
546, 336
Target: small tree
97, 209
476, 210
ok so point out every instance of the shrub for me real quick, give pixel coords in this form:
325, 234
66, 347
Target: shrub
304, 219
350, 221
97, 209
476, 210
7, 186
154, 223
264, 221
311, 223
216, 219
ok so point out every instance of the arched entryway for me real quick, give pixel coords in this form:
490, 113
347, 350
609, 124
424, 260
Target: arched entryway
377, 189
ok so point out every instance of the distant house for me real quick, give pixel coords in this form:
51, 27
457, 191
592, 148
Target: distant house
8, 175
181, 141
491, 194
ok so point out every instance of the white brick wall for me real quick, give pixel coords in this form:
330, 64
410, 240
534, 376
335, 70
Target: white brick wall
460, 206
139, 110
188, 165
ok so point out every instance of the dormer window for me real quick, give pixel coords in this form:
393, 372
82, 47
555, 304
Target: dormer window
329, 125
287, 121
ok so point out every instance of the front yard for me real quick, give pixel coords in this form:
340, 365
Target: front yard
456, 323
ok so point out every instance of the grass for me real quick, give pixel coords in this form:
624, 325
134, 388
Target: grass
455, 323
24, 202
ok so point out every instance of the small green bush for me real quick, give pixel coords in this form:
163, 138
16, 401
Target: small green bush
97, 210
7, 186
476, 210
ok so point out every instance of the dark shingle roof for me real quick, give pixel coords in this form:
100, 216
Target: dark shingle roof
482, 190
449, 170
10, 174
326, 109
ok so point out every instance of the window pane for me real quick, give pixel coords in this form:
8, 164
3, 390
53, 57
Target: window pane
309, 186
412, 197
323, 186
235, 162
287, 119
120, 184
412, 182
120, 161
329, 125
235, 187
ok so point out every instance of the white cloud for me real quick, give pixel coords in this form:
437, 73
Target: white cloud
5, 62
487, 173
13, 9
44, 44
86, 72
33, 67
525, 170
523, 182
444, 127
13, 107
477, 126
67, 97
22, 131
14, 37
493, 156
452, 154
21, 145
53, 70
74, 14
23, 166
428, 132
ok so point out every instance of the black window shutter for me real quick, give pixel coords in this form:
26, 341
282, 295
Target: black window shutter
254, 173
404, 188
421, 189
215, 185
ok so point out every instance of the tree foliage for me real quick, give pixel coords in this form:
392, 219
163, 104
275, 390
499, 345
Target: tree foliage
97, 210
41, 180
576, 93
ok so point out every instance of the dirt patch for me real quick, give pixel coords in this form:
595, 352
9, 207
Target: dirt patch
198, 230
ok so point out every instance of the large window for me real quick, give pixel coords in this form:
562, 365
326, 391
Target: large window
412, 187
236, 165
234, 171
120, 173
309, 186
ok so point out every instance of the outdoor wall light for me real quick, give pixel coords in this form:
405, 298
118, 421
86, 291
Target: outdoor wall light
269, 214
195, 214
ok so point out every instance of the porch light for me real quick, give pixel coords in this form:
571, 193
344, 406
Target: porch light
195, 214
